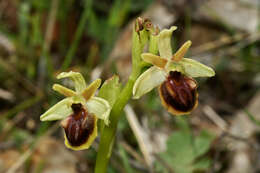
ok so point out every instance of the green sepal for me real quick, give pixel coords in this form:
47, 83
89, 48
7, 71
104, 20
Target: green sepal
76, 77
148, 80
164, 43
59, 111
194, 68
110, 90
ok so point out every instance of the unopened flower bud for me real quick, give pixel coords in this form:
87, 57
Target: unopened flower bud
139, 24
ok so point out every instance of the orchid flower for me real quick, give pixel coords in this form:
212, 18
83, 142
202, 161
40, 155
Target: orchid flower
174, 74
79, 111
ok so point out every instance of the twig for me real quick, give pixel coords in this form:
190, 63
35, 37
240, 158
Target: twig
20, 161
212, 115
238, 138
7, 44
164, 163
242, 40
117, 166
215, 118
6, 95
141, 137
216, 44
132, 152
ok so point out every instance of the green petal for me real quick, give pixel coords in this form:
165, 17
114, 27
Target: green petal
63, 90
91, 89
150, 79
59, 111
154, 59
77, 78
182, 51
100, 107
164, 43
196, 69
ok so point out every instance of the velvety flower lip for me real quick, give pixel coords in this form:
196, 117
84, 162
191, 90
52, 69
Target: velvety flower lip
179, 93
80, 128
79, 122
163, 66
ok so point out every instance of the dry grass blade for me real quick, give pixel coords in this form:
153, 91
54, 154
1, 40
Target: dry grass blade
7, 44
213, 116
141, 137
132, 152
6, 95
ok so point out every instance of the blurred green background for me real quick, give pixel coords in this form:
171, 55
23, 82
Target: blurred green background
40, 38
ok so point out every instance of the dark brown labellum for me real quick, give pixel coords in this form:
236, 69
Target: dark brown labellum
79, 125
179, 93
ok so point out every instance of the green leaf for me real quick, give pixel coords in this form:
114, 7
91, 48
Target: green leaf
202, 164
196, 69
110, 90
179, 146
202, 143
185, 152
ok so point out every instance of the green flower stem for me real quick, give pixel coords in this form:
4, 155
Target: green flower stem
108, 133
